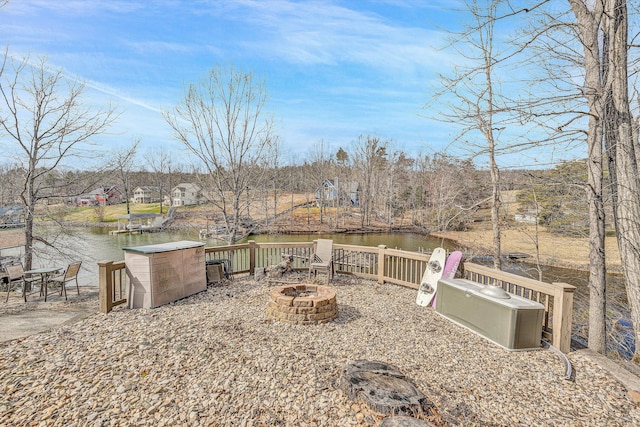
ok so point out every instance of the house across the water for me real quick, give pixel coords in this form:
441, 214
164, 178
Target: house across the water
344, 192
101, 196
146, 194
12, 216
186, 194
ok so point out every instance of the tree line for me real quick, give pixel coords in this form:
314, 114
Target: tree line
430, 192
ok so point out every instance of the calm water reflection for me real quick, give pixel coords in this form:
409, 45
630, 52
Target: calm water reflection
405, 241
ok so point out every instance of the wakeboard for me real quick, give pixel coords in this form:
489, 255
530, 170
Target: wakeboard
433, 273
450, 269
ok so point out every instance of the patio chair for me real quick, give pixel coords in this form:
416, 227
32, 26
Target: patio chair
15, 276
71, 273
322, 259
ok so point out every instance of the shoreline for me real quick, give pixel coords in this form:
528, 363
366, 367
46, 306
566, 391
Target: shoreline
555, 250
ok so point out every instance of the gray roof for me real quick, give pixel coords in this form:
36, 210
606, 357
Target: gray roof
139, 216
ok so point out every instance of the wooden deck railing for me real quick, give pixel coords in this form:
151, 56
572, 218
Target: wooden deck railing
112, 284
377, 263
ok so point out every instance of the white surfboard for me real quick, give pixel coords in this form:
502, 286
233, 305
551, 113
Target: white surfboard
432, 274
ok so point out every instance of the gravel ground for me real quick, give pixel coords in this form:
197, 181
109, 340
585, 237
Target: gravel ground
214, 359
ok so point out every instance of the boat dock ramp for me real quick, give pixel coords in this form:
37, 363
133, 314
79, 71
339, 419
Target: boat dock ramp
142, 223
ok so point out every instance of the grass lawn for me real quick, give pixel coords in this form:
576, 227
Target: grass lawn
110, 213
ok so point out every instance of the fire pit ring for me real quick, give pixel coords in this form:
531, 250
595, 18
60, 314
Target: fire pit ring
302, 304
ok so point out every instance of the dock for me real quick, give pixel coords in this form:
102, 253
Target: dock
12, 225
143, 222
137, 230
139, 223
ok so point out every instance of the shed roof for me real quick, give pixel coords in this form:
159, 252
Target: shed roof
139, 216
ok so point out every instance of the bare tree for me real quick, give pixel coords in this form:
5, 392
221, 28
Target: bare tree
346, 184
221, 120
319, 167
450, 191
10, 188
556, 48
123, 161
477, 105
273, 181
394, 185
174, 175
369, 160
587, 31
600, 29
161, 165
622, 151
43, 122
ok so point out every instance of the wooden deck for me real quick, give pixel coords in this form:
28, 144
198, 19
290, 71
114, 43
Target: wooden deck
377, 263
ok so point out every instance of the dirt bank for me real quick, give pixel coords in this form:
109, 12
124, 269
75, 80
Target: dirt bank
552, 249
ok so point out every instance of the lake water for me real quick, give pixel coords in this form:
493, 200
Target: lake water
93, 244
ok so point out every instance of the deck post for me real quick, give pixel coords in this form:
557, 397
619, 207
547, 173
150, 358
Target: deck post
562, 315
381, 261
252, 257
105, 286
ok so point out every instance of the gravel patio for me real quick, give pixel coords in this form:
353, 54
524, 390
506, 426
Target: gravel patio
214, 359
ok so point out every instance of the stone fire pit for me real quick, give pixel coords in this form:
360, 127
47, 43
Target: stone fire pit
302, 304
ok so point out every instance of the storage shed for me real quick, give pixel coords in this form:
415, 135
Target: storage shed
163, 273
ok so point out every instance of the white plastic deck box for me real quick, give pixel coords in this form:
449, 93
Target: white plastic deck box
163, 273
511, 321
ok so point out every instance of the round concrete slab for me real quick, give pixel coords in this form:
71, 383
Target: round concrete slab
20, 319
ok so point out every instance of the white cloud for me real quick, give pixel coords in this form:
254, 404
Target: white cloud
313, 33
341, 71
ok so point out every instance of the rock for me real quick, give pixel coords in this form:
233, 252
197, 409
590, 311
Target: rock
282, 268
259, 273
383, 388
404, 421
279, 270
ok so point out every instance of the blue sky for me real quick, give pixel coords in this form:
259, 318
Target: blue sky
334, 69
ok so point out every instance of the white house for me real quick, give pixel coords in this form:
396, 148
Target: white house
146, 194
345, 191
187, 194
